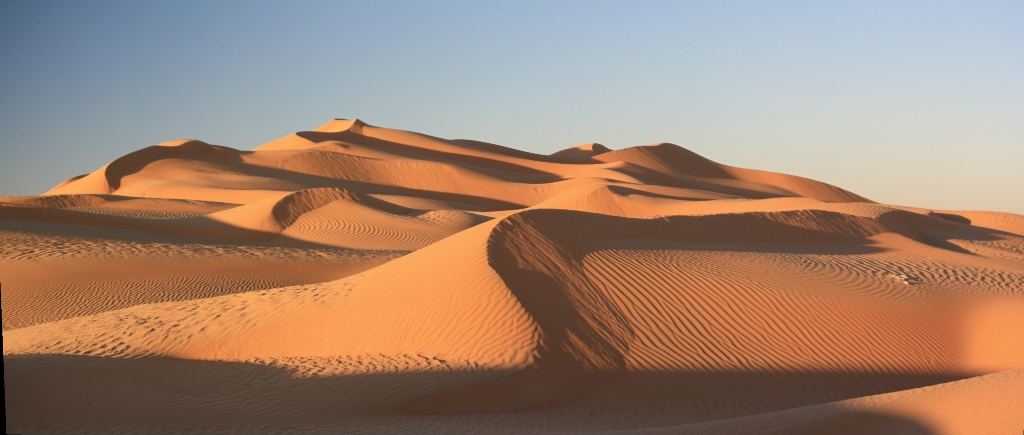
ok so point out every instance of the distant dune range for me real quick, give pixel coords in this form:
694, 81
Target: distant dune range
357, 279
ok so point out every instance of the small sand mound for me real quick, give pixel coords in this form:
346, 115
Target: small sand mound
274, 214
108, 179
340, 125
668, 158
580, 153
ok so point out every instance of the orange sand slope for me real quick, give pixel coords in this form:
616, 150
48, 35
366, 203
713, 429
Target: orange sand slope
367, 280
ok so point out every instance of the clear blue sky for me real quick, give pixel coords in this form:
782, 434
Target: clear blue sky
913, 103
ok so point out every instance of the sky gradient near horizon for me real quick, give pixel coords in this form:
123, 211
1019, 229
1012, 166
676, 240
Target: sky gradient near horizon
911, 103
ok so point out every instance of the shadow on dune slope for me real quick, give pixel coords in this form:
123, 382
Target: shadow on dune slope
686, 334
156, 392
257, 222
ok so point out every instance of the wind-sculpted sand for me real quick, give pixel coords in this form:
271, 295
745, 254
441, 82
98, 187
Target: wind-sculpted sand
357, 279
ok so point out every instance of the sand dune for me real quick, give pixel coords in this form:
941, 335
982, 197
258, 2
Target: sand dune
359, 279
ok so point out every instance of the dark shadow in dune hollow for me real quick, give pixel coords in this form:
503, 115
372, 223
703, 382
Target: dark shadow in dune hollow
420, 153
160, 392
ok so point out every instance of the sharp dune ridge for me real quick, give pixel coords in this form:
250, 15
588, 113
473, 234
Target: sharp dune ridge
359, 279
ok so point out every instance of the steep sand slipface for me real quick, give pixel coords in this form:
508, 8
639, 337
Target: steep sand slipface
360, 279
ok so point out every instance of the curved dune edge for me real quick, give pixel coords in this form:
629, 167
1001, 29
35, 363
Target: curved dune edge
346, 151
259, 221
984, 404
355, 278
595, 327
579, 350
1007, 222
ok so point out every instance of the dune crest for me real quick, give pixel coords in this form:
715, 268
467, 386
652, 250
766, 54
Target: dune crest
355, 278
580, 153
339, 125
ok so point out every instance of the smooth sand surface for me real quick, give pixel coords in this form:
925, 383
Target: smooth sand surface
358, 279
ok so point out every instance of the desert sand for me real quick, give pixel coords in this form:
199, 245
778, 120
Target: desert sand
359, 279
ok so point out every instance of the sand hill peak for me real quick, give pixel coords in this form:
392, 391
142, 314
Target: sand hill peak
355, 278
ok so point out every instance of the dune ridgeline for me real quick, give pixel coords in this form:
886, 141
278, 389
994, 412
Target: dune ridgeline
358, 279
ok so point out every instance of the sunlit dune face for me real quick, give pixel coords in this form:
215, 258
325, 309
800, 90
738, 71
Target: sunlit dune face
355, 278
